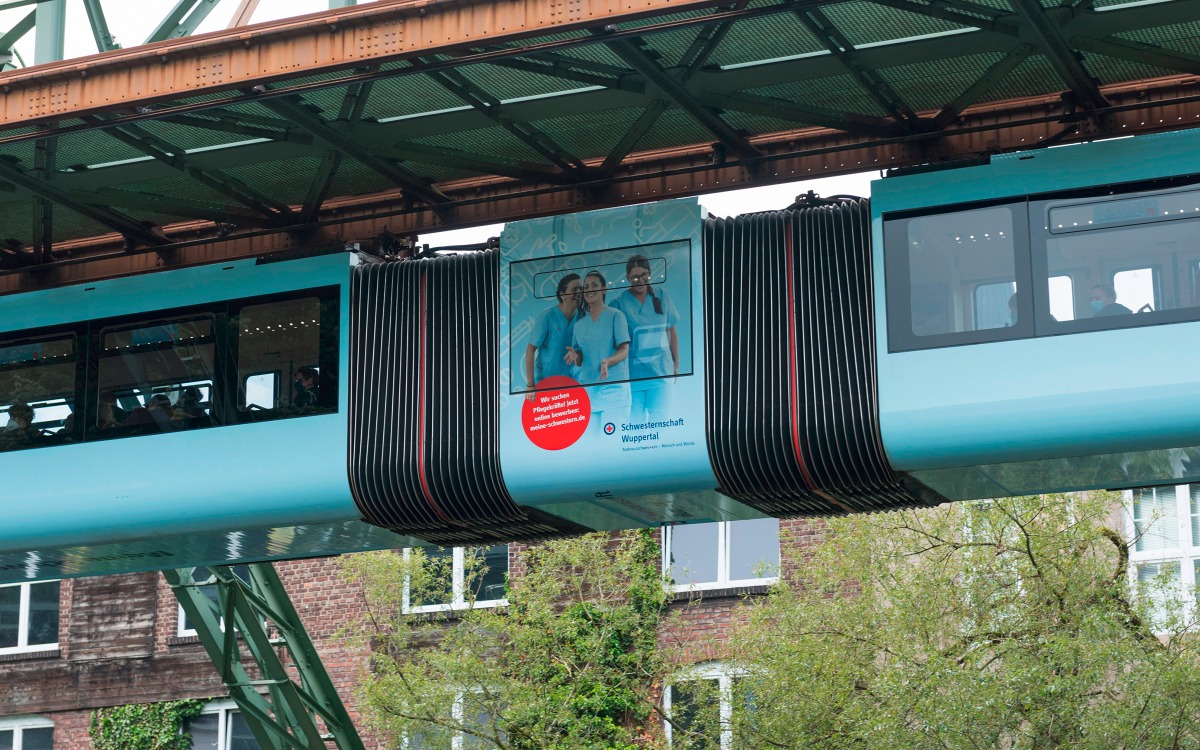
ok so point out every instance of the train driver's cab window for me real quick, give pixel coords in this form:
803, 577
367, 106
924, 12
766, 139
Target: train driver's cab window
1131, 258
156, 376
954, 278
281, 368
37, 392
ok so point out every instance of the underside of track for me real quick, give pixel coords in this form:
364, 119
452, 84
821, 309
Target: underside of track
373, 124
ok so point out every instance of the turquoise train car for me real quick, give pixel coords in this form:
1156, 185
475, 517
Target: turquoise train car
151, 421
1015, 326
1034, 317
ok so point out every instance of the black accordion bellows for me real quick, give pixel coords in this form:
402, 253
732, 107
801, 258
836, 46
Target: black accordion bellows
424, 404
793, 417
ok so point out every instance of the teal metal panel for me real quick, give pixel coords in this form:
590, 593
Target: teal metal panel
1030, 404
282, 473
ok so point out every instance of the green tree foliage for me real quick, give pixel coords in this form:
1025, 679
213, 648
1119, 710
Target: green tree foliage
1008, 624
570, 664
143, 726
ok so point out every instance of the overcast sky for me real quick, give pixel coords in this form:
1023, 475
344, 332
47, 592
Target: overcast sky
131, 21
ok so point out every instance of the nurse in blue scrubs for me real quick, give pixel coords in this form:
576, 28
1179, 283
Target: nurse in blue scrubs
600, 348
654, 343
553, 330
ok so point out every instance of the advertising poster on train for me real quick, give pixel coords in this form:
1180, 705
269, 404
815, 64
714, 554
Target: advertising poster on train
602, 397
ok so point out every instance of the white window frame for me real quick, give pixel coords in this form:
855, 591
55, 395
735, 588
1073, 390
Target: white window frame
457, 711
23, 646
458, 588
723, 675
723, 580
1184, 554
18, 724
223, 709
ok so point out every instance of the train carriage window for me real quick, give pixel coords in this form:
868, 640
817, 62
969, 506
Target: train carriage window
955, 277
155, 376
1132, 257
1062, 297
286, 355
37, 391
1138, 288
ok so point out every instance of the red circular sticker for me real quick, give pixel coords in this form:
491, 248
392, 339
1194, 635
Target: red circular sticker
556, 414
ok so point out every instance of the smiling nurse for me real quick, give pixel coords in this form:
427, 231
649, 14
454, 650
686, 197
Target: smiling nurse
600, 347
654, 345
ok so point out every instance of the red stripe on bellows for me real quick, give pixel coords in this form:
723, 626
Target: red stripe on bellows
421, 408
793, 366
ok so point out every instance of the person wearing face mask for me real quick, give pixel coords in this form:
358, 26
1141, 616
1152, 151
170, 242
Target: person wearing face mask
1104, 302
305, 387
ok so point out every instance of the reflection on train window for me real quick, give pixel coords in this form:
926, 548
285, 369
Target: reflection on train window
951, 254
279, 344
1132, 259
155, 376
37, 392
992, 309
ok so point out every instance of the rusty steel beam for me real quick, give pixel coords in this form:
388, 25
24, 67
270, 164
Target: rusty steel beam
326, 42
1141, 107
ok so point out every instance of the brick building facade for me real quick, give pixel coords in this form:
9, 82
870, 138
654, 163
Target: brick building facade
120, 639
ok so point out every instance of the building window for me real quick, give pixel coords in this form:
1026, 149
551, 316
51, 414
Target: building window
187, 628
702, 707
28, 617
26, 733
462, 577
719, 555
1163, 526
220, 727
467, 711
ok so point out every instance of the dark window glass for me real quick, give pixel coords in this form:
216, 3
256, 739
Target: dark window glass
1132, 259
10, 616
240, 736
487, 570
440, 563
40, 738
204, 730
155, 377
956, 277
43, 613
37, 392
6, 739
281, 371
951, 254
695, 711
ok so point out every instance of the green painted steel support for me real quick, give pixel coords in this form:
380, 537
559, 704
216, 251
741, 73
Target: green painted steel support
104, 38
11, 37
341, 3
182, 20
51, 31
281, 712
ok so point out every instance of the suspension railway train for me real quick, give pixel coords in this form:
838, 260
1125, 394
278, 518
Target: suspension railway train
1006, 328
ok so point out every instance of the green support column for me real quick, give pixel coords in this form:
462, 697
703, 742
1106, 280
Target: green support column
280, 712
341, 3
50, 31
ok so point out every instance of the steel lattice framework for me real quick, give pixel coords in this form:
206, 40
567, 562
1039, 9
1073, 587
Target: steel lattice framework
371, 124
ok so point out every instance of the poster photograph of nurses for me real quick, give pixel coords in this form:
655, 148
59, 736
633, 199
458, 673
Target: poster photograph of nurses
615, 321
